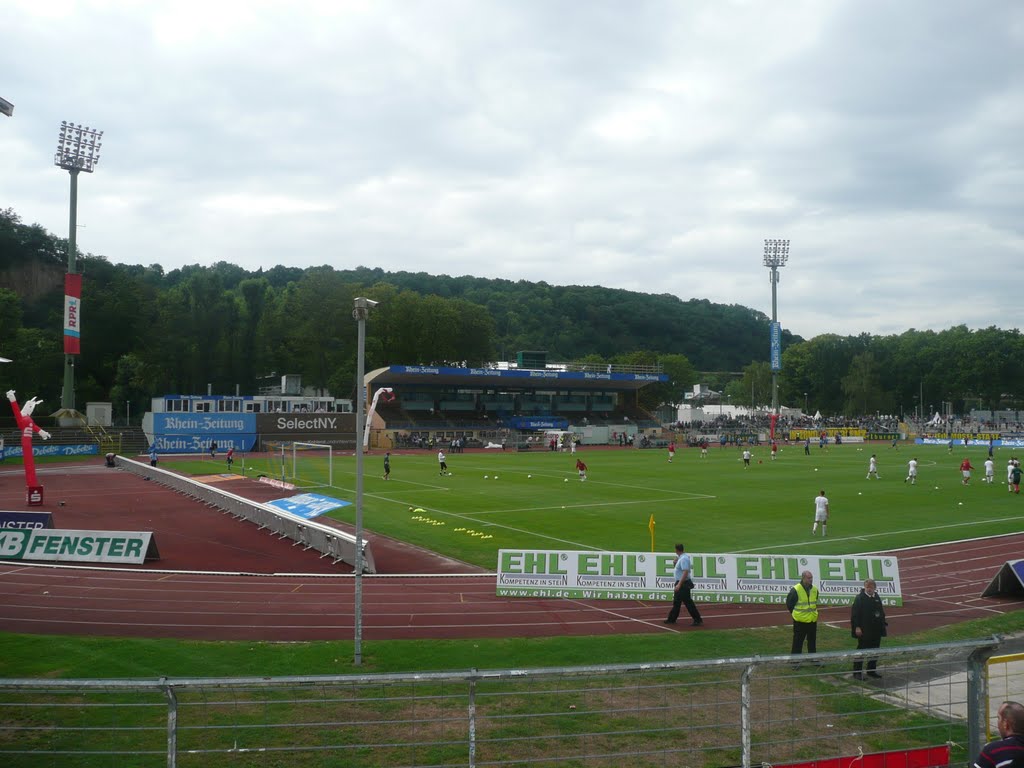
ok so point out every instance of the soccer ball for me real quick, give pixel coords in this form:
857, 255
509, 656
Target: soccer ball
528, 477
815, 469
565, 480
487, 477
495, 477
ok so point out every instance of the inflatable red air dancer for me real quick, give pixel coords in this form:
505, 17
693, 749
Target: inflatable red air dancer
33, 491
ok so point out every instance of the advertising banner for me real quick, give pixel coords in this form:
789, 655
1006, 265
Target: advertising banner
526, 422
307, 505
54, 450
718, 578
76, 546
194, 432
72, 314
26, 519
776, 345
302, 426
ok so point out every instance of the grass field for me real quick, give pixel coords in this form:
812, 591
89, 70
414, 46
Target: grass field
535, 499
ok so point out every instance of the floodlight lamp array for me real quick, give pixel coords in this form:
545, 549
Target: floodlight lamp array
776, 253
78, 147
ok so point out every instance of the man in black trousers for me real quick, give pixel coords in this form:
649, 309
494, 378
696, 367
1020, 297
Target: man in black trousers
867, 624
684, 585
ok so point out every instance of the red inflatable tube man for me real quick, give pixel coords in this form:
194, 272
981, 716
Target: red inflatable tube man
24, 418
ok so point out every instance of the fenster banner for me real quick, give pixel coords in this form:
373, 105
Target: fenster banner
77, 546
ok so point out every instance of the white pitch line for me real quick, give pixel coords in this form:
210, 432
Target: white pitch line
867, 536
470, 519
590, 505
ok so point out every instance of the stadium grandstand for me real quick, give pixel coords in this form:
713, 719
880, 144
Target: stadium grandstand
519, 404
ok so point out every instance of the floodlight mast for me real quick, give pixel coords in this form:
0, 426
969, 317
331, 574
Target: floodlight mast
359, 314
776, 254
78, 149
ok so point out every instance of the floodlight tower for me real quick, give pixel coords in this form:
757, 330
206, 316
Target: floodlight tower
359, 314
776, 254
78, 149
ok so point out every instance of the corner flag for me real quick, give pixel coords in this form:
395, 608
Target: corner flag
650, 527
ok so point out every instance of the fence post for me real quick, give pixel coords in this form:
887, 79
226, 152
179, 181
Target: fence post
746, 735
172, 723
977, 700
472, 720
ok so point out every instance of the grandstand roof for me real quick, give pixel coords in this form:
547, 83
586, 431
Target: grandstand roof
514, 378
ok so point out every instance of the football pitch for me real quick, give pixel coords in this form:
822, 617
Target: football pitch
535, 500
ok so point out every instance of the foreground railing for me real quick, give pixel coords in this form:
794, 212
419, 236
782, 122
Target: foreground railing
736, 711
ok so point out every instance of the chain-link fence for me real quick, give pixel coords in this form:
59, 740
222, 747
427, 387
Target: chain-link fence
726, 712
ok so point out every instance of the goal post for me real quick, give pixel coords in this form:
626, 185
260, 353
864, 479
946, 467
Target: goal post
311, 464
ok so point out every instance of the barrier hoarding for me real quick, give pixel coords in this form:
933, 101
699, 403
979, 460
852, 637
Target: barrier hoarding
718, 578
130, 547
16, 519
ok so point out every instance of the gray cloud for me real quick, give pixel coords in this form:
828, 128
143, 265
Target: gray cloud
650, 147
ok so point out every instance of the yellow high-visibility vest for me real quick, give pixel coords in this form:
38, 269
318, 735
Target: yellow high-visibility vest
806, 608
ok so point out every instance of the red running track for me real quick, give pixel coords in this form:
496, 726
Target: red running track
185, 594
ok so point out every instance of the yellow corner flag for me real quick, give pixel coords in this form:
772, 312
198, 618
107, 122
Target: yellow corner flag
650, 527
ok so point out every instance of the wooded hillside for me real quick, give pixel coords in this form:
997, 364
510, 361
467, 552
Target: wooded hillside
146, 332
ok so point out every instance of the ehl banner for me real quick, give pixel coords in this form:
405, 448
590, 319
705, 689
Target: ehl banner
72, 314
718, 578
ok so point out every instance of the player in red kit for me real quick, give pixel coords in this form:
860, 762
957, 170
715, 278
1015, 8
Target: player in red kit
965, 471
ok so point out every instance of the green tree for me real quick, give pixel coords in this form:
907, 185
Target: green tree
131, 390
862, 387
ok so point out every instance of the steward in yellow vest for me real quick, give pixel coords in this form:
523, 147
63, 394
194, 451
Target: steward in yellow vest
802, 604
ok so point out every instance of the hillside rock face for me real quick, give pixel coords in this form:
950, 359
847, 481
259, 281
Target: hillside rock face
32, 279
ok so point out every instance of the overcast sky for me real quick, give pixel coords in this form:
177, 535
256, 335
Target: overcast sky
650, 146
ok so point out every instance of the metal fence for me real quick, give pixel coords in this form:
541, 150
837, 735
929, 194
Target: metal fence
726, 712
331, 542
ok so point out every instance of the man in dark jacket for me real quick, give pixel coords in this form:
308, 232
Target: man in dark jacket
867, 624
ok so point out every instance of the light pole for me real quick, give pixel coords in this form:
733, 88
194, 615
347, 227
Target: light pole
78, 149
360, 313
776, 254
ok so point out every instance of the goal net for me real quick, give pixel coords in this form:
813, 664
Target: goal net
307, 465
